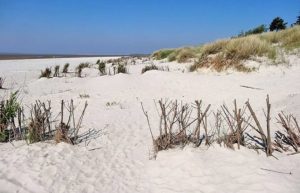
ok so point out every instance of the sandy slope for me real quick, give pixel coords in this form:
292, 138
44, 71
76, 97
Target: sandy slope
118, 159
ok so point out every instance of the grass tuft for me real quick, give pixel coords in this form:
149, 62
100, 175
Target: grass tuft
185, 54
66, 68
46, 73
162, 54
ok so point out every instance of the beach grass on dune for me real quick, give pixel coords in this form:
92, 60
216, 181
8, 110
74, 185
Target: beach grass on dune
230, 53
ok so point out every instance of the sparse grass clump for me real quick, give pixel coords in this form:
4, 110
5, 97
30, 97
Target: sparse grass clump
46, 73
66, 68
122, 69
154, 67
162, 54
102, 68
56, 71
80, 67
148, 68
231, 53
8, 112
84, 96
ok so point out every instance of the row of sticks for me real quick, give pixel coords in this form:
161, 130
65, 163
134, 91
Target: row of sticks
41, 126
181, 123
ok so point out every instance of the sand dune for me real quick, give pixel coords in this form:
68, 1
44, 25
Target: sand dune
118, 159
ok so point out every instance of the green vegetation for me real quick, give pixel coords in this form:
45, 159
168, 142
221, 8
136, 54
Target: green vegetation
8, 113
277, 24
298, 21
257, 30
162, 54
185, 54
288, 39
230, 53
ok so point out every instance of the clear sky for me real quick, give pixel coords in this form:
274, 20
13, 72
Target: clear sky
129, 26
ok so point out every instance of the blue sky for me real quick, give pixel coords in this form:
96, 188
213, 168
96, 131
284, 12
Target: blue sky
129, 26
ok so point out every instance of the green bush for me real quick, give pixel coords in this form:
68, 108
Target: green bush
257, 30
9, 108
277, 24
8, 113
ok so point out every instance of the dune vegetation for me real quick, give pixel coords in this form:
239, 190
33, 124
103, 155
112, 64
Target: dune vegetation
230, 53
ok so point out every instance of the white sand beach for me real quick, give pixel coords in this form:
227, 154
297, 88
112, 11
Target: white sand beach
118, 159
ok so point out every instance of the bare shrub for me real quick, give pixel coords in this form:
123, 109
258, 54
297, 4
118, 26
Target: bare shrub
291, 137
265, 143
180, 124
175, 120
41, 125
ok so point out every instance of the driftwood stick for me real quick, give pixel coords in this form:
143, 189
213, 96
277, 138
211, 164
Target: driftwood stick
290, 173
62, 112
80, 120
197, 130
261, 132
269, 145
205, 112
147, 117
251, 87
